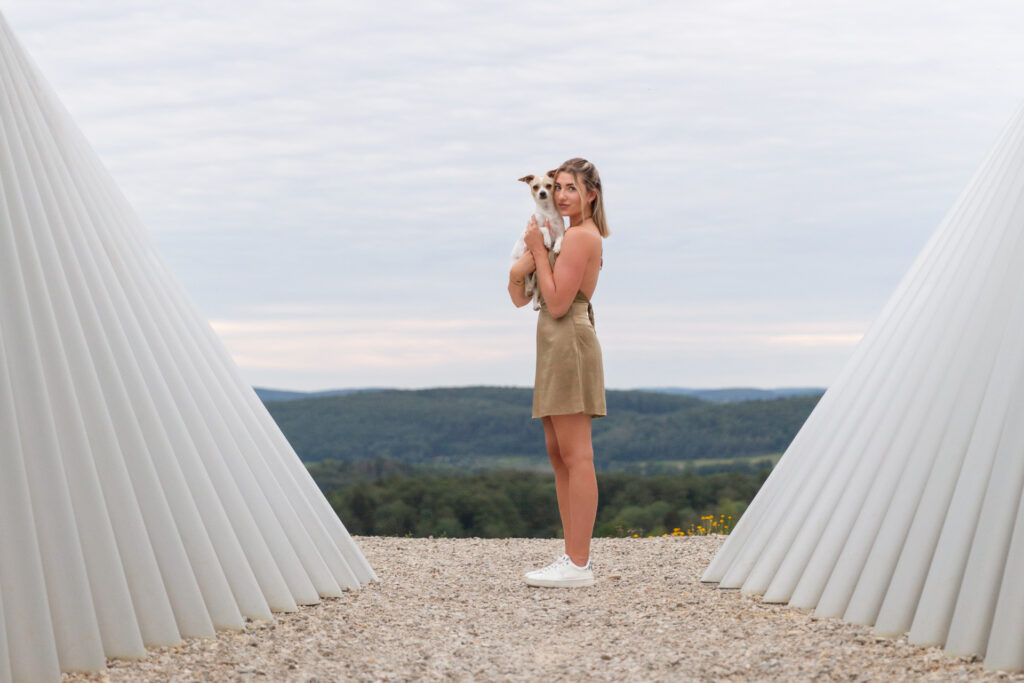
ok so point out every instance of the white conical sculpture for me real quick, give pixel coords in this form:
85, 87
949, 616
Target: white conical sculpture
145, 492
899, 503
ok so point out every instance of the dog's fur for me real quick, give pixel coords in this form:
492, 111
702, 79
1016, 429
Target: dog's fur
542, 187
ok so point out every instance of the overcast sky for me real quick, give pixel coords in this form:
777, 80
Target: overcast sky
335, 182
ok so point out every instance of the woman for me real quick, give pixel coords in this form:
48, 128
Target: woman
569, 383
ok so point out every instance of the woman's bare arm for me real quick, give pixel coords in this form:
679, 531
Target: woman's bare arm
517, 278
559, 286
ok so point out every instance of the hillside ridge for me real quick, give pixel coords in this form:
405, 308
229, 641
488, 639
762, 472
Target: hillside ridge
464, 426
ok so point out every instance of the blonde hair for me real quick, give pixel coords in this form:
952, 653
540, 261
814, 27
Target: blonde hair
586, 178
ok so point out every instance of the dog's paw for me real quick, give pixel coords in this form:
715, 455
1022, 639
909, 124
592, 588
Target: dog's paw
558, 246
547, 237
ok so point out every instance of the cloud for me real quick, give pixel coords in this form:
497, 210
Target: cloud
361, 346
776, 160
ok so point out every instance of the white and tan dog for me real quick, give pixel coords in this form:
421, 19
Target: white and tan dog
542, 186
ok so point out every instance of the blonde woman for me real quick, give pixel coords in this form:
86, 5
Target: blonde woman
568, 386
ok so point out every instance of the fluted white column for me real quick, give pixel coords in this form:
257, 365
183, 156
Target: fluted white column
147, 494
897, 502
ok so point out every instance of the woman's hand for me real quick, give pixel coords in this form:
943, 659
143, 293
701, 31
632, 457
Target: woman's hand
534, 238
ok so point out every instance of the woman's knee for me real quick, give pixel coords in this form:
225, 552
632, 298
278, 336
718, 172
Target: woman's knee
556, 461
577, 459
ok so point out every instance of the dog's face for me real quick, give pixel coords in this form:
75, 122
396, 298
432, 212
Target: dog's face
542, 186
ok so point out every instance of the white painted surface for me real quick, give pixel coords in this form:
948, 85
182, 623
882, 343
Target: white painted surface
898, 502
146, 494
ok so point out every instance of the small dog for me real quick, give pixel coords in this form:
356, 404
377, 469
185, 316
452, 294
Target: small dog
542, 186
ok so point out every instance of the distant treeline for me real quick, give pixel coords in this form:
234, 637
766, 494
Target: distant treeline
499, 504
467, 427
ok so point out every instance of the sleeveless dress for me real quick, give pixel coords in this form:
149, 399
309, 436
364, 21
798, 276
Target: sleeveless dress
570, 375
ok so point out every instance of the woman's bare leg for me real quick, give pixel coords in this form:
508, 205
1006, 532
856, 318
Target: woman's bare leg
577, 455
561, 475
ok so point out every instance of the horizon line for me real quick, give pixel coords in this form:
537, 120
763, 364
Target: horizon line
514, 386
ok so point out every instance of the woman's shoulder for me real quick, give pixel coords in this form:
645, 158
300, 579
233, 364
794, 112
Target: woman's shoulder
584, 237
585, 232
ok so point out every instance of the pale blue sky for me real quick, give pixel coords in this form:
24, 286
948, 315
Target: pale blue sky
334, 182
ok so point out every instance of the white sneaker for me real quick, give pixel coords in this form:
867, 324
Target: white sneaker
538, 572
561, 573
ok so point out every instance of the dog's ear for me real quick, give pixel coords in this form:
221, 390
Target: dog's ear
526, 179
551, 174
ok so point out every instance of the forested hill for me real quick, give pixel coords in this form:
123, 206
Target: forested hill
464, 426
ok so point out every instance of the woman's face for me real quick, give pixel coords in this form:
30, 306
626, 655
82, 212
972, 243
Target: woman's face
567, 195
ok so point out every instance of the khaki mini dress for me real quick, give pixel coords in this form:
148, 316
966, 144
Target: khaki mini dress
570, 374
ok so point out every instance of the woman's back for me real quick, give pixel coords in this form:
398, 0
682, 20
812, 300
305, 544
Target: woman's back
592, 244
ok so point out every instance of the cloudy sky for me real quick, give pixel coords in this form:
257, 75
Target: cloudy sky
335, 182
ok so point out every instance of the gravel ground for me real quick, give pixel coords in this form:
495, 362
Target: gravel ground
455, 609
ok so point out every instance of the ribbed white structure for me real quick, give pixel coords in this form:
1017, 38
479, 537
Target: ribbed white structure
899, 503
145, 492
